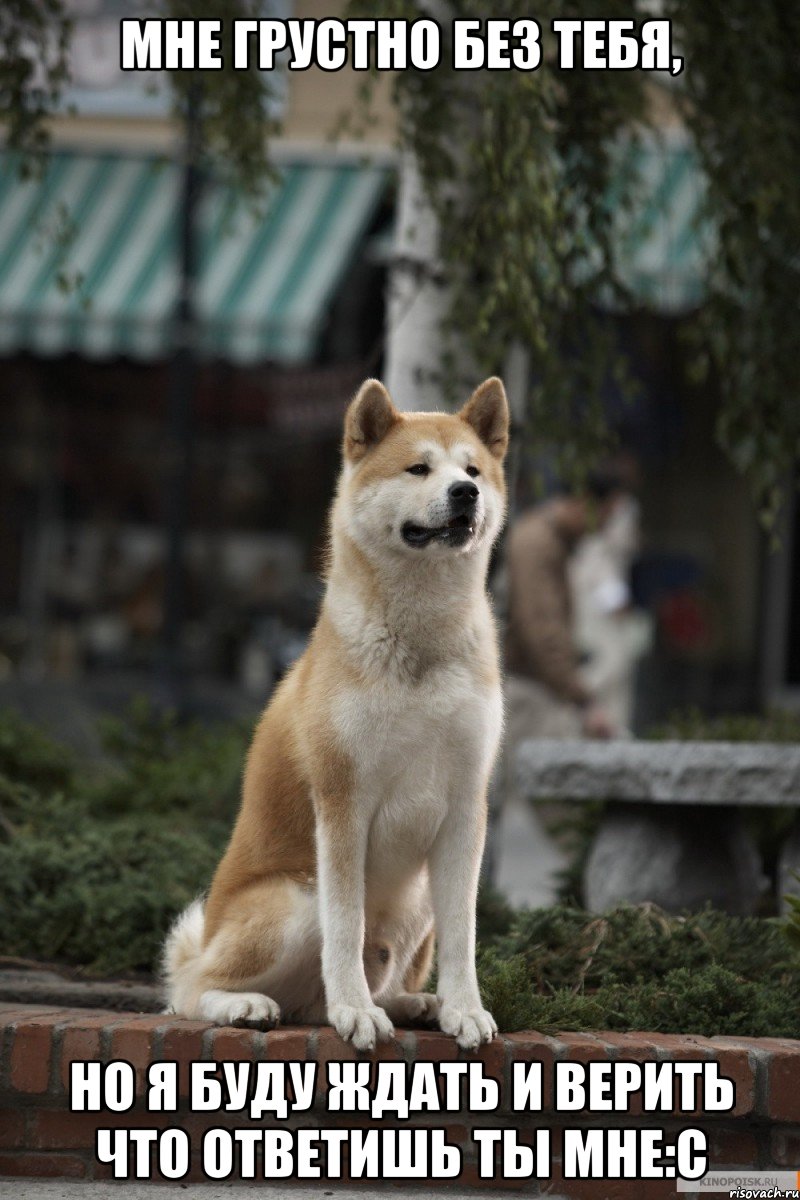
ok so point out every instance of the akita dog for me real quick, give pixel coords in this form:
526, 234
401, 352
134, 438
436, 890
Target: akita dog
363, 814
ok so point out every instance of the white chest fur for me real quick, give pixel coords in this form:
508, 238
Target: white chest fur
417, 750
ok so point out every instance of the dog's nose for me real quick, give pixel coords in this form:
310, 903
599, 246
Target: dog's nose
462, 494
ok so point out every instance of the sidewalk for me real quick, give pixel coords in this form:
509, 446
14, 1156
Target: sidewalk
527, 859
58, 1189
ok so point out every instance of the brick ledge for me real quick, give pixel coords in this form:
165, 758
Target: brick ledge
39, 1136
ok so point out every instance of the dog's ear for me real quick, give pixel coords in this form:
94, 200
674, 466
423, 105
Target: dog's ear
369, 418
487, 412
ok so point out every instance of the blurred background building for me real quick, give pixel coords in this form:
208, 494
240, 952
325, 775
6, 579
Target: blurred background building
289, 315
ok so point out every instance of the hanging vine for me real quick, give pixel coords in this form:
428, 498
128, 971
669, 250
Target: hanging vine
742, 106
34, 46
520, 170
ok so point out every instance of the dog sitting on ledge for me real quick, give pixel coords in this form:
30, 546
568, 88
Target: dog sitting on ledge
363, 814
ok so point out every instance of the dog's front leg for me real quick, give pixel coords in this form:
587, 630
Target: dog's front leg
454, 866
341, 857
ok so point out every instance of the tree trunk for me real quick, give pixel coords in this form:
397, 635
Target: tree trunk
417, 300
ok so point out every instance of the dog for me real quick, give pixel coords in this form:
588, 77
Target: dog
363, 812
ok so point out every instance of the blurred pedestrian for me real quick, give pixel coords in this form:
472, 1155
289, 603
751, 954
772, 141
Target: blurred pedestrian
546, 693
611, 633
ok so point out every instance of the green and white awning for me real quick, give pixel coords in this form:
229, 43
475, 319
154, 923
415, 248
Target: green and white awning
88, 257
662, 243
89, 251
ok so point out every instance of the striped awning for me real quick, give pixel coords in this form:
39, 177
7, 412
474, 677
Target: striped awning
89, 257
663, 245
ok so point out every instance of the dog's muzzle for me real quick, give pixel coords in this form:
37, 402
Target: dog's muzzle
462, 501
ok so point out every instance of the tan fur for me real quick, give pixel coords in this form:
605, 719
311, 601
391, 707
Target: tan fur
417, 974
304, 769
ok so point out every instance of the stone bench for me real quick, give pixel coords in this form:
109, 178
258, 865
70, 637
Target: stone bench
672, 832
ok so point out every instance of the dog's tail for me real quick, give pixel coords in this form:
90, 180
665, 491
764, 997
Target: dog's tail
180, 959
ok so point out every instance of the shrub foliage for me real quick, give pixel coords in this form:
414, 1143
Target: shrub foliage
637, 968
96, 859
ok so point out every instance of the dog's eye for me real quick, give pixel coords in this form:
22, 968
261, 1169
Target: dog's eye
472, 471
419, 469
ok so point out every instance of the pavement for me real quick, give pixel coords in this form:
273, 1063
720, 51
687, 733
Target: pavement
526, 859
62, 1189
23, 981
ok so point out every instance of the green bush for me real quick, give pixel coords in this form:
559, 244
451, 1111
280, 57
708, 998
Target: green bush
96, 860
637, 968
30, 756
100, 895
691, 725
159, 765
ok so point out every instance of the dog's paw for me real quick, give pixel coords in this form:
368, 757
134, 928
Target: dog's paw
469, 1026
361, 1026
251, 1009
413, 1006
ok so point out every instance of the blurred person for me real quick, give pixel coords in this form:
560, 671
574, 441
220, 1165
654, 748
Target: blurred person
611, 634
547, 695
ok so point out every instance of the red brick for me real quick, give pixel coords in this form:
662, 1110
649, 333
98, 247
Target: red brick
9, 1013
746, 1043
527, 1134
780, 1059
197, 1123
183, 1043
81, 1043
682, 1047
235, 1045
732, 1148
391, 1051
493, 1057
395, 1049
78, 1016
134, 1042
435, 1047
580, 1047
529, 1048
785, 1147
733, 1056
469, 1177
12, 1128
59, 1129
784, 1085
31, 1052
196, 1172
290, 1045
52, 1136
736, 1064
611, 1189
330, 1048
630, 1041
636, 1048
102, 1172
50, 1166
